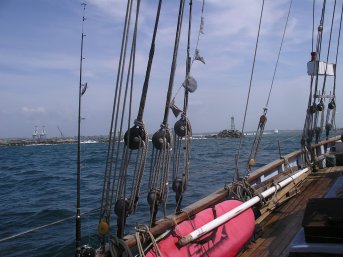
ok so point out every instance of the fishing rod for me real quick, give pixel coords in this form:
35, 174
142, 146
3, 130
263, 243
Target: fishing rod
82, 90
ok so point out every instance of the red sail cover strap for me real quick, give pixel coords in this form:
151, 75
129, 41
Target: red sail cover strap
227, 240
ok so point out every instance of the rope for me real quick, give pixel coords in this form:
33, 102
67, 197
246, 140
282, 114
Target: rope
104, 211
118, 247
117, 188
311, 121
173, 66
313, 9
314, 120
263, 118
162, 140
337, 50
183, 129
319, 128
248, 97
329, 47
148, 70
241, 190
278, 57
121, 182
144, 231
44, 226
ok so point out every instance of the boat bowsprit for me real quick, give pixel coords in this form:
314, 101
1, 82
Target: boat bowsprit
226, 240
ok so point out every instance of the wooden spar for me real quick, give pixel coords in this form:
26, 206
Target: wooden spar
284, 194
234, 212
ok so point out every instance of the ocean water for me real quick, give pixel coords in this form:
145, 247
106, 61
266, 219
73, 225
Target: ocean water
38, 189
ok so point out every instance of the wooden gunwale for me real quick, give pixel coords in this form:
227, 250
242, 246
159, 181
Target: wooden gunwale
273, 165
291, 156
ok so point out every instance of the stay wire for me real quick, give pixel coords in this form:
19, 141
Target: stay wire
318, 51
188, 132
115, 154
122, 178
337, 50
313, 10
160, 169
45, 226
174, 61
148, 69
250, 84
329, 47
261, 125
108, 168
278, 57
311, 120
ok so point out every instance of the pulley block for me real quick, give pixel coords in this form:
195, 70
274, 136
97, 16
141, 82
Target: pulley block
320, 106
134, 137
154, 197
161, 138
181, 127
179, 185
332, 105
122, 207
313, 108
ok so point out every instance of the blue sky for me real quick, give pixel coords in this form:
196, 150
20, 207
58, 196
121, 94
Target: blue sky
40, 52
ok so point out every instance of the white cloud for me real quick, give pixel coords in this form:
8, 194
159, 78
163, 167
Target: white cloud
43, 70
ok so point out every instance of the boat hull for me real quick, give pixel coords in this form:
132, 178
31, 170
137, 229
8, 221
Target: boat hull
227, 240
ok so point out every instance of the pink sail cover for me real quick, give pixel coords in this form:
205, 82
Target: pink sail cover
227, 240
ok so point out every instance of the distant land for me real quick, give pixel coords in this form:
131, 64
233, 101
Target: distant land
102, 138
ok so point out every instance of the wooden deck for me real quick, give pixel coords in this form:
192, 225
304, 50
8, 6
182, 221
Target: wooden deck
279, 228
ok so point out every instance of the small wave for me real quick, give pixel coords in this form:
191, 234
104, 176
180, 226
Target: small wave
89, 142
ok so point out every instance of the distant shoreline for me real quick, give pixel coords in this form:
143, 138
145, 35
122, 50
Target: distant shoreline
50, 141
97, 139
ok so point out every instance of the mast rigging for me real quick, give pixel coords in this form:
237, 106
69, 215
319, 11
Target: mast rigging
263, 117
316, 118
162, 140
182, 127
122, 187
